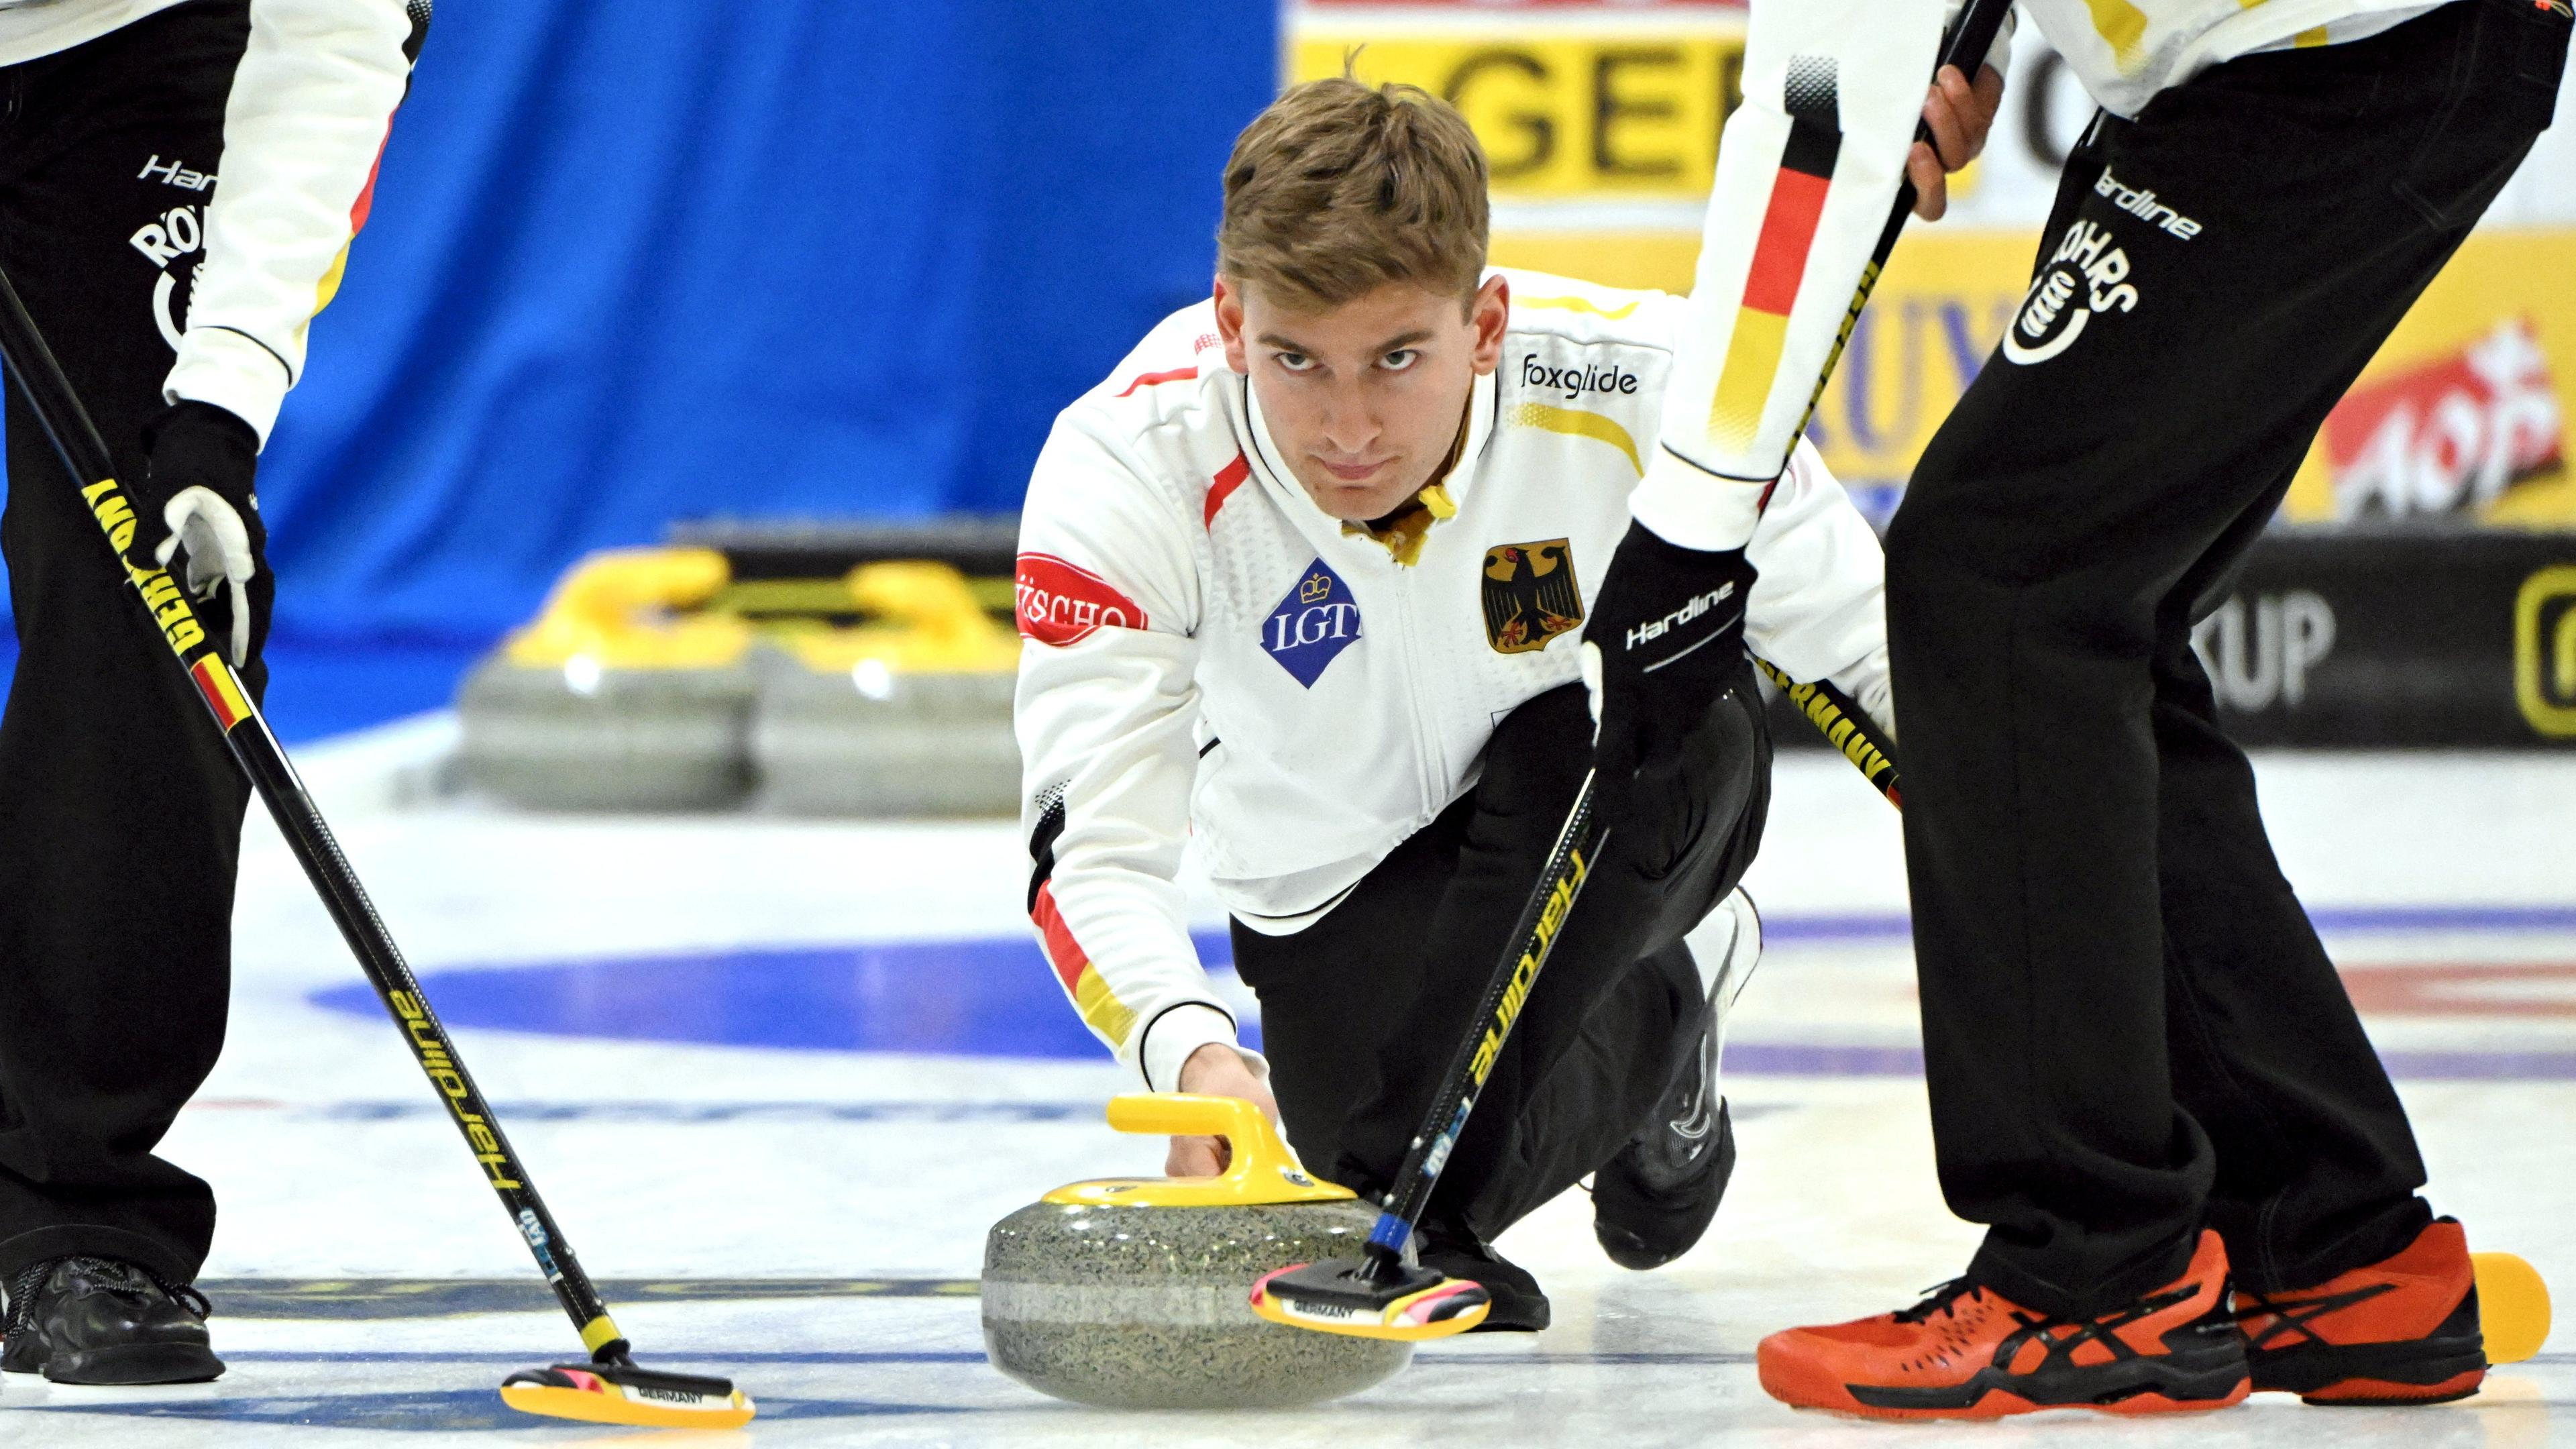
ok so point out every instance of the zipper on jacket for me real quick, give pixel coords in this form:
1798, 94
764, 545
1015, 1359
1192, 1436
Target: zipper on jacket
1425, 775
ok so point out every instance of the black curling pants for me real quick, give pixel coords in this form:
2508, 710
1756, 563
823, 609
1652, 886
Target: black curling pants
2130, 1029
120, 812
1361, 1011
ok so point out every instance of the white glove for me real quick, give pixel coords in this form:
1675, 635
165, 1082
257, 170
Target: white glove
218, 546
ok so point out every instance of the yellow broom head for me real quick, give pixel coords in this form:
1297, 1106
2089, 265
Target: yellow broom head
624, 1394
1338, 1296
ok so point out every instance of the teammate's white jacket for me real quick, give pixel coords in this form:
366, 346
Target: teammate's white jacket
1208, 651
309, 109
1806, 176
2127, 50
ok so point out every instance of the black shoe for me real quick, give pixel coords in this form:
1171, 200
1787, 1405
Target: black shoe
102, 1321
1519, 1304
1652, 1201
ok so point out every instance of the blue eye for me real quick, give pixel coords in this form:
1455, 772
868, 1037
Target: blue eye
1296, 361
1400, 359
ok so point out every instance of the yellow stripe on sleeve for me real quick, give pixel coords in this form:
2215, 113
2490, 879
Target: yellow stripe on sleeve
1101, 1008
1744, 384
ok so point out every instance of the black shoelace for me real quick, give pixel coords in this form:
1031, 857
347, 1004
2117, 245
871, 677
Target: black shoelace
22, 1291
1943, 1299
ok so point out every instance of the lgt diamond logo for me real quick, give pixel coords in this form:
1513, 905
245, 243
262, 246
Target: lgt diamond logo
1315, 623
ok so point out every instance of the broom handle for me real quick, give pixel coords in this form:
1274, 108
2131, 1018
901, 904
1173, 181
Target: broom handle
166, 608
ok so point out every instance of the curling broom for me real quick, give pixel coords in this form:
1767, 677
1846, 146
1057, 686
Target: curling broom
609, 1388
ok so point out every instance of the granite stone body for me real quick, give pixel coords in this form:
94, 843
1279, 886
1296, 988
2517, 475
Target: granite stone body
1149, 1307
554, 738
884, 743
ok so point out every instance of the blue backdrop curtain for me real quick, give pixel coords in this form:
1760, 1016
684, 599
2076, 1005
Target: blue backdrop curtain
655, 259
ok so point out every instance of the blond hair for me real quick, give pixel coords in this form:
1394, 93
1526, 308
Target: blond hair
1340, 188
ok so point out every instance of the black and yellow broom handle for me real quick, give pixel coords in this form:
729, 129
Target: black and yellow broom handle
165, 604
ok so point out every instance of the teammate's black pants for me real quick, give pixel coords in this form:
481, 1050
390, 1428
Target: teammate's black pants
1361, 1012
120, 814
2129, 1026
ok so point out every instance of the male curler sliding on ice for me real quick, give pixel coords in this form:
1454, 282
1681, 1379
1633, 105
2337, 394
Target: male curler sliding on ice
179, 183
1304, 579
2145, 1075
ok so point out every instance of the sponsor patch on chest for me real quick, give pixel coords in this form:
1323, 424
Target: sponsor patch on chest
1313, 625
1530, 595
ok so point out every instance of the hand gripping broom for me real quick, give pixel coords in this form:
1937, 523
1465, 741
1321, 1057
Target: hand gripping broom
608, 1389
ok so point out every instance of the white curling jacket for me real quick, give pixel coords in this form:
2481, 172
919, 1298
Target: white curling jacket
1207, 651
310, 105
2125, 51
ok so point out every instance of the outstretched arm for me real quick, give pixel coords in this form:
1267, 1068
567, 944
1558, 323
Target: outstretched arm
1106, 704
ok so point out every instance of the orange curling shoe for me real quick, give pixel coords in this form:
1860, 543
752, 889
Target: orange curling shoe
1969, 1353
2403, 1330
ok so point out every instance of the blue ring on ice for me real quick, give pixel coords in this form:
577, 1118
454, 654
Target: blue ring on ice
982, 998
997, 997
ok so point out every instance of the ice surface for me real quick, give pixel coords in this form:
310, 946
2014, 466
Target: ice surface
855, 1186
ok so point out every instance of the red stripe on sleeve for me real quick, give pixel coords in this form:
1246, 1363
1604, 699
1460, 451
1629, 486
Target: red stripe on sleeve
366, 201
1178, 374
1063, 952
1788, 230
1224, 485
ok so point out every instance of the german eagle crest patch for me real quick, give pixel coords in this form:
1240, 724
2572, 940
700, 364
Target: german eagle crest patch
1530, 595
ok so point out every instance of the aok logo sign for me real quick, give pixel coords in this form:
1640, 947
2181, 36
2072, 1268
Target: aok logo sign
2544, 651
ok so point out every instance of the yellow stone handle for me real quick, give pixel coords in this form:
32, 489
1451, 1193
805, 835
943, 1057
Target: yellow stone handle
1191, 1114
1264, 1168
925, 619
629, 608
932, 598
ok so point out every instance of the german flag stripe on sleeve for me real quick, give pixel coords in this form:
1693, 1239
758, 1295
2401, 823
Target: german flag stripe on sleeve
1099, 1006
1798, 190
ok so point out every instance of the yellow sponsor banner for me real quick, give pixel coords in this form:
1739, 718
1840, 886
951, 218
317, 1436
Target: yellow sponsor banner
1605, 115
2462, 413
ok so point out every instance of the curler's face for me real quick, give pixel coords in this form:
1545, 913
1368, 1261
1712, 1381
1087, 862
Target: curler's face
1364, 399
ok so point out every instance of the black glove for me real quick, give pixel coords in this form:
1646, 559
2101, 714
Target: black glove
203, 462
1665, 636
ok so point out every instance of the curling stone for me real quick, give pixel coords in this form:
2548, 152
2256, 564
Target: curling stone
1135, 1294
617, 698
907, 714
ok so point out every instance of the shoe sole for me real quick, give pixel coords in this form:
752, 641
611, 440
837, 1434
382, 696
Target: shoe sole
1620, 1207
128, 1364
2002, 1404
2147, 1386
2381, 1394
2432, 1370
1526, 1320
